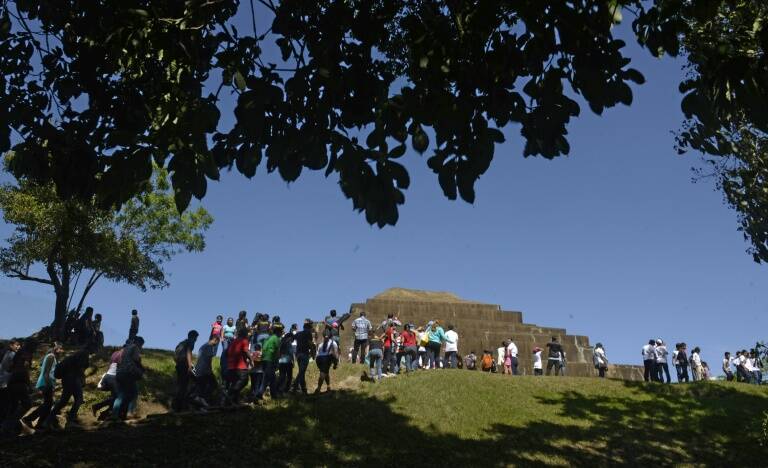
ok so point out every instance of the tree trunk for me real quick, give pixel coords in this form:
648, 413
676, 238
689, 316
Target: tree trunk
60, 314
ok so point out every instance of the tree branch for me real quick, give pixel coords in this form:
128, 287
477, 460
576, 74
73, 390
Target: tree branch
91, 281
24, 277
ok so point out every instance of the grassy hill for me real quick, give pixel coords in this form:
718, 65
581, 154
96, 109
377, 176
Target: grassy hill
452, 418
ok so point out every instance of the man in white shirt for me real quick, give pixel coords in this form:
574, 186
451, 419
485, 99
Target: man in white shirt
662, 368
727, 366
537, 367
649, 361
512, 350
451, 346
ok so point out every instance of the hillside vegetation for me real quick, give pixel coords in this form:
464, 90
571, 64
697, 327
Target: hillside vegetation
445, 417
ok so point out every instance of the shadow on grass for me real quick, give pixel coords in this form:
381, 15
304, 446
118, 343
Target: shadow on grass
663, 426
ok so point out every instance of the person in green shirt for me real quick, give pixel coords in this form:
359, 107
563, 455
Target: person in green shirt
269, 357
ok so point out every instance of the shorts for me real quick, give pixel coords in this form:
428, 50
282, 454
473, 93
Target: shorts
324, 363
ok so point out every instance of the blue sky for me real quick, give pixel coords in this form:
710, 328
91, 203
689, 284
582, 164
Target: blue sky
614, 242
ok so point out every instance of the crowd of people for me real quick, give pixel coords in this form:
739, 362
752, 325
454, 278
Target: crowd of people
274, 360
655, 354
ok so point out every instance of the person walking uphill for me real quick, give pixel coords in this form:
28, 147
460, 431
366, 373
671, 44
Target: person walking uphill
46, 385
327, 356
269, 357
304, 344
361, 326
71, 371
183, 359
19, 402
129, 371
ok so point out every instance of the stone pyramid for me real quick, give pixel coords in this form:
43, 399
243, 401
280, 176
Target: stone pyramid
481, 326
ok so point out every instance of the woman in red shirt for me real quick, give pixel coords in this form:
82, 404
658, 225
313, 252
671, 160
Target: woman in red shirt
410, 348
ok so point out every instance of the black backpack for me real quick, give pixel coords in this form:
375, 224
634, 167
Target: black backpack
180, 353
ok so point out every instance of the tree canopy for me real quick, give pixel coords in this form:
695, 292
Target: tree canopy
96, 92
71, 243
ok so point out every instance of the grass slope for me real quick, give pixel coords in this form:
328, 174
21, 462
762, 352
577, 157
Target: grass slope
452, 418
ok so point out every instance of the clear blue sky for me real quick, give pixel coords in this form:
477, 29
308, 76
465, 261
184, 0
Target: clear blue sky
613, 242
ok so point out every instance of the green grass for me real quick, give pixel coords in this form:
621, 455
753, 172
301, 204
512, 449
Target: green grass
452, 418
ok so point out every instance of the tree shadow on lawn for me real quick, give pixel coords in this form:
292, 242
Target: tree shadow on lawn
352, 428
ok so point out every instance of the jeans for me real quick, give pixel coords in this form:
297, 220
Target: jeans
450, 356
238, 379
127, 392
41, 412
300, 383
537, 372
203, 387
375, 356
601, 372
71, 387
362, 346
286, 376
19, 404
411, 358
554, 363
682, 373
662, 368
515, 364
182, 387
757, 377
389, 363
269, 380
424, 357
433, 354
649, 365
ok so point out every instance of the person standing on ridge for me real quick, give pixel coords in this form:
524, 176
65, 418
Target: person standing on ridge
451, 347
134, 329
600, 360
727, 366
361, 326
649, 361
555, 358
662, 368
512, 351
537, 364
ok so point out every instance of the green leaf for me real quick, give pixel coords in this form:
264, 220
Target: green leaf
239, 81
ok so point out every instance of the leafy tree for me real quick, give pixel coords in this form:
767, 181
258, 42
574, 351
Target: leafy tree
68, 244
95, 92
726, 105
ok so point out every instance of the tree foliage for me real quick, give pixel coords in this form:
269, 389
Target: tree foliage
56, 241
99, 91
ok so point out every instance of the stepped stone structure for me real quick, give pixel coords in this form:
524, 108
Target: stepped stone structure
482, 326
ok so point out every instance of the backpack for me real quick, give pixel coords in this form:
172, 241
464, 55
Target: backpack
180, 353
424, 339
595, 360
487, 362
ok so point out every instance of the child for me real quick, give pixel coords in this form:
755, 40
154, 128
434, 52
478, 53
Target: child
257, 371
537, 366
486, 363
